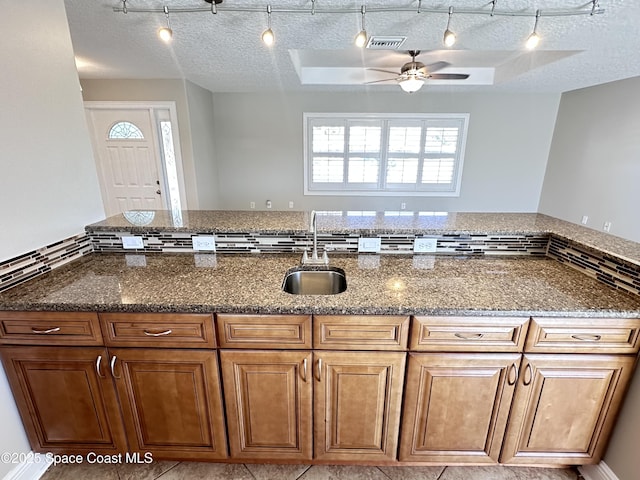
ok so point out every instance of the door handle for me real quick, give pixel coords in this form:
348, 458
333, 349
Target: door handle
44, 332
304, 370
113, 366
319, 369
98, 369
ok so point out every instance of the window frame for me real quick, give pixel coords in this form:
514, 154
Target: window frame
386, 120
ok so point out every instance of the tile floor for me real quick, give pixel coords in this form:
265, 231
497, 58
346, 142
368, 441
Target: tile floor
164, 470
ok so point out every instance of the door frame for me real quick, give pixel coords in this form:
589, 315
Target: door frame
152, 107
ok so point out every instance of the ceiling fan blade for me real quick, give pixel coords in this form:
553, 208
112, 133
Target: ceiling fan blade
382, 70
434, 67
449, 76
380, 81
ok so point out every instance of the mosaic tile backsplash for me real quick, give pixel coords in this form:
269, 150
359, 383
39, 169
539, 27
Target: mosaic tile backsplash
607, 268
37, 262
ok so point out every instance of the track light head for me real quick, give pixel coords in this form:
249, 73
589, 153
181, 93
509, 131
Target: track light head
267, 37
449, 38
361, 37
165, 34
534, 39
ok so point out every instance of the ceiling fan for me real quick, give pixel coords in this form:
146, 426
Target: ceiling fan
413, 74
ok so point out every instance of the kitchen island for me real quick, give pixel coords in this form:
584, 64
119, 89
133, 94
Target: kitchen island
501, 351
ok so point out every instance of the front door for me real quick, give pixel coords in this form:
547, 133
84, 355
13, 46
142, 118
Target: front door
128, 159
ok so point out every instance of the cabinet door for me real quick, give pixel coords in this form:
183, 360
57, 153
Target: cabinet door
171, 402
66, 399
357, 401
564, 408
456, 406
268, 400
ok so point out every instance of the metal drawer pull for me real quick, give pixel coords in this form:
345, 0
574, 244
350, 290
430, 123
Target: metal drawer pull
49, 330
304, 370
159, 334
528, 370
98, 369
319, 369
587, 338
113, 364
469, 336
514, 369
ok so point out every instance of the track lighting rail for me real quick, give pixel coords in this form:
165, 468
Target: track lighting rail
593, 9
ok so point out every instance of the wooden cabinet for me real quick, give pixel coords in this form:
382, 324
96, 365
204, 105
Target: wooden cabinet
288, 404
564, 408
456, 406
66, 398
91, 399
357, 403
171, 402
268, 396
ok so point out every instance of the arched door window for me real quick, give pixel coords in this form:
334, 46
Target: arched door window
125, 130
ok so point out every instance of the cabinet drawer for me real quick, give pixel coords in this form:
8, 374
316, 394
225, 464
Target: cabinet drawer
468, 334
49, 328
360, 332
172, 330
584, 335
264, 331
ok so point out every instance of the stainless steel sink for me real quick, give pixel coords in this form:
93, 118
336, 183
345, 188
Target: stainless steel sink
306, 281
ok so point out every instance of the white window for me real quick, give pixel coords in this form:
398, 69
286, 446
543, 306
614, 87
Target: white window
371, 154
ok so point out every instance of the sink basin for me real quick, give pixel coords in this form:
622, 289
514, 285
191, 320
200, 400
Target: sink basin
305, 281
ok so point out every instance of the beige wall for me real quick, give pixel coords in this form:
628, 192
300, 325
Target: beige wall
48, 186
594, 170
193, 106
259, 148
594, 162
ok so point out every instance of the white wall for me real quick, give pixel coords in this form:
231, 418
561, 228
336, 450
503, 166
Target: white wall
259, 148
200, 103
48, 184
594, 162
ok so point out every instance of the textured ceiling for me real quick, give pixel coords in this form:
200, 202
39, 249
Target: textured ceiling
224, 53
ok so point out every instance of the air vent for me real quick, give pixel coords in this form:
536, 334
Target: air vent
385, 43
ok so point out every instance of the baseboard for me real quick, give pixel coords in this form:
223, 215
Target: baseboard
28, 470
600, 471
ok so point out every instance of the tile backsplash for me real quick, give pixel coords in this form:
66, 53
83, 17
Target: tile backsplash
608, 269
42, 260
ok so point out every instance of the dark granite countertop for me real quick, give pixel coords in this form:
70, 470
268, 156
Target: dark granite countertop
370, 223
385, 284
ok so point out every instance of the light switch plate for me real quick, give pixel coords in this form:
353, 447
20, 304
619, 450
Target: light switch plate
371, 245
204, 243
425, 245
132, 242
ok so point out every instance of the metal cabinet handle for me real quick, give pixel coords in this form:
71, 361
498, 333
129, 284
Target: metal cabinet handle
528, 370
304, 370
319, 369
587, 338
98, 369
113, 365
159, 334
469, 336
513, 369
49, 330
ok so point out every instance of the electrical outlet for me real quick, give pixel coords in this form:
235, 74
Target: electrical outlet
252, 204
585, 219
290, 204
607, 226
268, 203
133, 242
205, 243
403, 206
425, 245
371, 245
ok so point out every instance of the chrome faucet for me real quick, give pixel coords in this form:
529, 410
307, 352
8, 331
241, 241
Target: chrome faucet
314, 260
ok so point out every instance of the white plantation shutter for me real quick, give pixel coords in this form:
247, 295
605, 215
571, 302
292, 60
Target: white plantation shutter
384, 154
